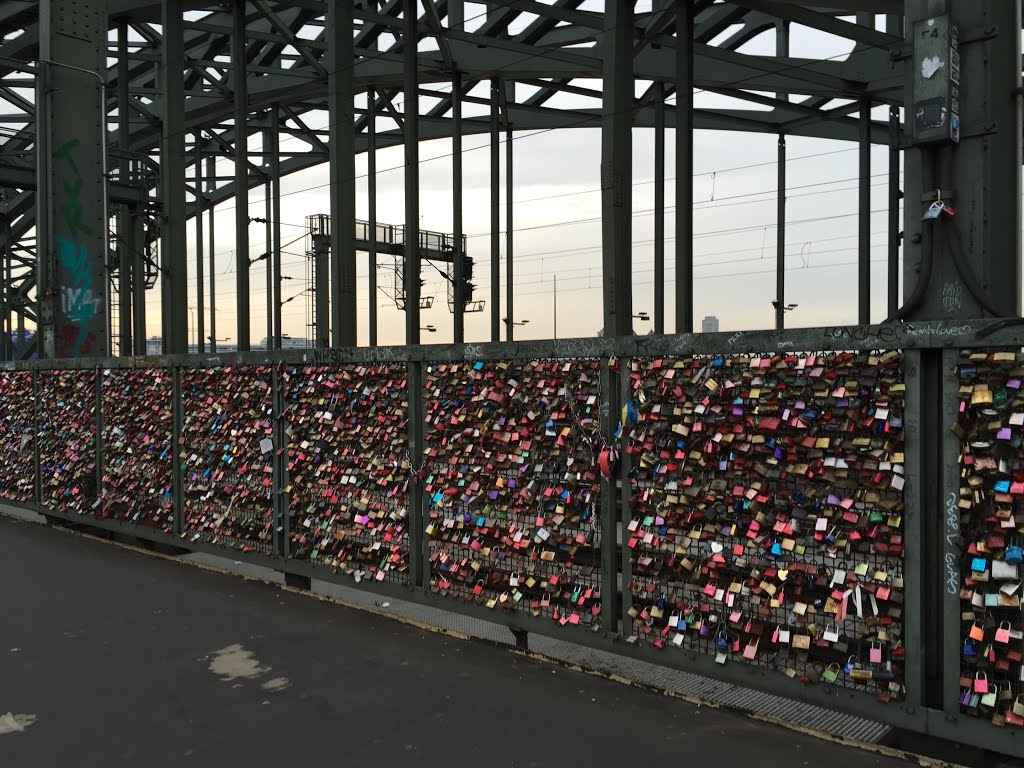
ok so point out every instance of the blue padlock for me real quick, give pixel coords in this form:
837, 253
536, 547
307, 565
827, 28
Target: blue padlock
1014, 555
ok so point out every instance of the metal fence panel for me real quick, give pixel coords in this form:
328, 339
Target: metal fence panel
17, 436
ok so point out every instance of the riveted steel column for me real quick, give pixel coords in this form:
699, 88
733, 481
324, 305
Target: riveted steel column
71, 201
321, 284
137, 236
239, 60
172, 174
616, 171
894, 234
341, 57
509, 227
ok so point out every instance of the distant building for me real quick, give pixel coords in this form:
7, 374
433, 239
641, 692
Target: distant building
709, 324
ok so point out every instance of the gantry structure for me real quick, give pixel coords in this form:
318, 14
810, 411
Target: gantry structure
114, 113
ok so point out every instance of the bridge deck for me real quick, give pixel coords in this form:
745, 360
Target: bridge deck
109, 656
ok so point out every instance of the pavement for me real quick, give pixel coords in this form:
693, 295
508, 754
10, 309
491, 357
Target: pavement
112, 657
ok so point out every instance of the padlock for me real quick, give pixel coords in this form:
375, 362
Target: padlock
831, 674
934, 211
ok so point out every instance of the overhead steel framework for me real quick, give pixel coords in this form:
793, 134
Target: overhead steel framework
178, 84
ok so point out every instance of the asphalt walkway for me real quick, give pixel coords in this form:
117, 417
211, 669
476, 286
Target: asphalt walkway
112, 657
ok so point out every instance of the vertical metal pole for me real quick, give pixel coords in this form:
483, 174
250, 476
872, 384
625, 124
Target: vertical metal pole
268, 206
412, 174
200, 207
554, 305
458, 252
98, 437
279, 466
172, 165
137, 236
617, 172
893, 271
321, 282
659, 207
780, 238
495, 216
275, 213
684, 169
864, 217
239, 61
125, 257
45, 267
342, 144
610, 597
371, 191
509, 227
211, 182
177, 476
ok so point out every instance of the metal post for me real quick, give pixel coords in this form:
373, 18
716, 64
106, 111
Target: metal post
343, 173
893, 271
509, 226
418, 563
412, 174
321, 283
239, 61
275, 214
98, 441
616, 171
200, 207
45, 266
554, 307
684, 169
279, 466
458, 252
659, 207
71, 134
495, 217
268, 206
172, 166
124, 257
211, 182
780, 238
177, 476
371, 192
137, 235
864, 217
610, 597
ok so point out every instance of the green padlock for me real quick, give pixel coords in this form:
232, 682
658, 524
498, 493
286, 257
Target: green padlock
831, 674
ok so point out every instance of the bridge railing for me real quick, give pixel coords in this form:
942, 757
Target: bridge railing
831, 514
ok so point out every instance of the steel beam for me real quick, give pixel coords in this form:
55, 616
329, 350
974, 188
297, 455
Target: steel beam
371, 208
617, 171
659, 207
495, 215
684, 168
172, 173
200, 207
124, 255
509, 232
211, 180
341, 109
275, 213
864, 216
458, 253
239, 62
411, 114
321, 289
71, 204
894, 232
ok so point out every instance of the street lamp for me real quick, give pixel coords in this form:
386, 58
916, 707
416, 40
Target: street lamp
429, 329
787, 308
642, 316
518, 322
